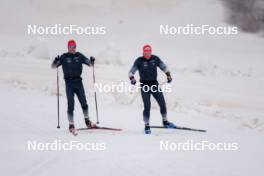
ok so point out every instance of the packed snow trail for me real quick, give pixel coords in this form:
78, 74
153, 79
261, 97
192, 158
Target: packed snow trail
128, 152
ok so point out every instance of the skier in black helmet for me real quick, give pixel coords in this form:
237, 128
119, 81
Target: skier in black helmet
71, 63
147, 67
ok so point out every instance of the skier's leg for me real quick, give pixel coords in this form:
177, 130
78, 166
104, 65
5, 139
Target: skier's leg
158, 95
82, 99
70, 100
147, 103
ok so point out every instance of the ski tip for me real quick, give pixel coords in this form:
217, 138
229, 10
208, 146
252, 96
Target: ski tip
198, 130
203, 131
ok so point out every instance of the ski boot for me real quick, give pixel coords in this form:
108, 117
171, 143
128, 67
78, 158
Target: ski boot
168, 124
147, 129
72, 129
88, 123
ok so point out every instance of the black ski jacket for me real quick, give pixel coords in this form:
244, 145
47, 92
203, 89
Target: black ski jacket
148, 68
71, 64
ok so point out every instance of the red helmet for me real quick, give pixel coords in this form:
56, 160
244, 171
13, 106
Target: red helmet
147, 48
71, 43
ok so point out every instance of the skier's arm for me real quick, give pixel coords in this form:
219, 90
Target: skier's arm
132, 72
163, 66
133, 69
87, 61
165, 69
56, 63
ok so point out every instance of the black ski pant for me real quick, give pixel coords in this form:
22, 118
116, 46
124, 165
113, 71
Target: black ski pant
75, 87
158, 95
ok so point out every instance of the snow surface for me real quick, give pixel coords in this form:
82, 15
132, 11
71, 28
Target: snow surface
218, 84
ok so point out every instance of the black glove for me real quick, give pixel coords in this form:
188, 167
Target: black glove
92, 59
57, 59
55, 62
169, 77
132, 80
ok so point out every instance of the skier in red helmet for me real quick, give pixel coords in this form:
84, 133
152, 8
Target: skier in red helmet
71, 63
147, 67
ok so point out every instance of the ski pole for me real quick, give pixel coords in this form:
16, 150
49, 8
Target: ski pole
95, 98
58, 98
